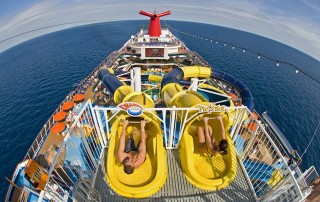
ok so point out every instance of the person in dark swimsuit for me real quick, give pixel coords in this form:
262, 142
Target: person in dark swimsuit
206, 139
128, 154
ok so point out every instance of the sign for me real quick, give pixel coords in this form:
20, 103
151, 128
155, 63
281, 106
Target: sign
132, 108
154, 52
211, 108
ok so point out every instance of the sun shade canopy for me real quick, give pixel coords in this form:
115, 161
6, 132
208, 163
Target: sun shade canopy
59, 116
67, 106
58, 128
78, 97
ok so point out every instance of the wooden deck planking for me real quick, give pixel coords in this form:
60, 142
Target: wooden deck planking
177, 188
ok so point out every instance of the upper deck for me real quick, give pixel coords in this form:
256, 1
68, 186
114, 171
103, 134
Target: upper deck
149, 47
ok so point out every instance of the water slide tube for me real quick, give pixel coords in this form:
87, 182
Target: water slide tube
245, 93
247, 99
200, 169
151, 175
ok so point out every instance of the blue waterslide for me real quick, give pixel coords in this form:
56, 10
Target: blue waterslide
109, 80
176, 75
247, 99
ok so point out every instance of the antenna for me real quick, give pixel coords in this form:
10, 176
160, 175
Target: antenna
154, 26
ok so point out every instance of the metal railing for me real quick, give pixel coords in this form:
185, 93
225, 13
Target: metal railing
77, 157
261, 155
266, 167
36, 145
40, 138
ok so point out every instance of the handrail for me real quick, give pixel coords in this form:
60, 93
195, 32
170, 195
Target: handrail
35, 147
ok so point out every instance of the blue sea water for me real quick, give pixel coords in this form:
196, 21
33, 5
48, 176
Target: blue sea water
38, 74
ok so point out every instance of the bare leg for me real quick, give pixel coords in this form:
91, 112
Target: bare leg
212, 146
223, 144
201, 139
121, 153
223, 132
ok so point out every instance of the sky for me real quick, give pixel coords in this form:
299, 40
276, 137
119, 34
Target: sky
292, 22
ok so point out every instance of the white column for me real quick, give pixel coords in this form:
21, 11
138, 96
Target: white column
194, 84
132, 78
137, 79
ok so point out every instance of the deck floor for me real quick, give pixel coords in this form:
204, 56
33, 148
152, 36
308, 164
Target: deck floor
177, 188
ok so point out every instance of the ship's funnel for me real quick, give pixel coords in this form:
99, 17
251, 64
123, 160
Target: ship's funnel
154, 26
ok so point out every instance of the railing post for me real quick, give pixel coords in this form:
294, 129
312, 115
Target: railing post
105, 113
97, 111
94, 119
240, 121
249, 145
164, 114
235, 122
85, 143
194, 84
172, 125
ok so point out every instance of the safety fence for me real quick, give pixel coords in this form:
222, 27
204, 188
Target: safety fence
268, 167
40, 138
76, 160
35, 147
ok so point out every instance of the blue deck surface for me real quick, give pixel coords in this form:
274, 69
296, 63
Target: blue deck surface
240, 144
34, 198
21, 180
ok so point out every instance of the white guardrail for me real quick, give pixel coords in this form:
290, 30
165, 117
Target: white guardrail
41, 137
266, 166
36, 145
75, 163
77, 159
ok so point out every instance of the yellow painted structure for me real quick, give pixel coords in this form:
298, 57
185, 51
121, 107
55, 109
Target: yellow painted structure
150, 176
202, 170
275, 178
36, 174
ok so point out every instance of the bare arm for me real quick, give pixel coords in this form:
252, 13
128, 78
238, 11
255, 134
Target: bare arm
223, 132
142, 147
207, 132
122, 140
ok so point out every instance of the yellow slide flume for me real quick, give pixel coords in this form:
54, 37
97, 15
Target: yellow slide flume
151, 175
202, 170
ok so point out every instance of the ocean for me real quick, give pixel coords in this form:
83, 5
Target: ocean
38, 74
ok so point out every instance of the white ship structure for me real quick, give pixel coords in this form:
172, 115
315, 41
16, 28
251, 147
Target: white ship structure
154, 77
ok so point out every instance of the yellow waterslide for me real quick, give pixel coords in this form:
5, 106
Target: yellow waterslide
201, 170
151, 175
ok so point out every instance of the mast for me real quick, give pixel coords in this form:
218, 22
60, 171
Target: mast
154, 26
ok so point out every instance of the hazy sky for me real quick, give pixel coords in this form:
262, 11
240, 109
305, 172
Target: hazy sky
293, 22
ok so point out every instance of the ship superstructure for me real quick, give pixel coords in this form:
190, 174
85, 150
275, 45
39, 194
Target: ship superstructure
156, 78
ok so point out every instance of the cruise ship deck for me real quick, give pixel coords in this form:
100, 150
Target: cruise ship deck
156, 78
177, 188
